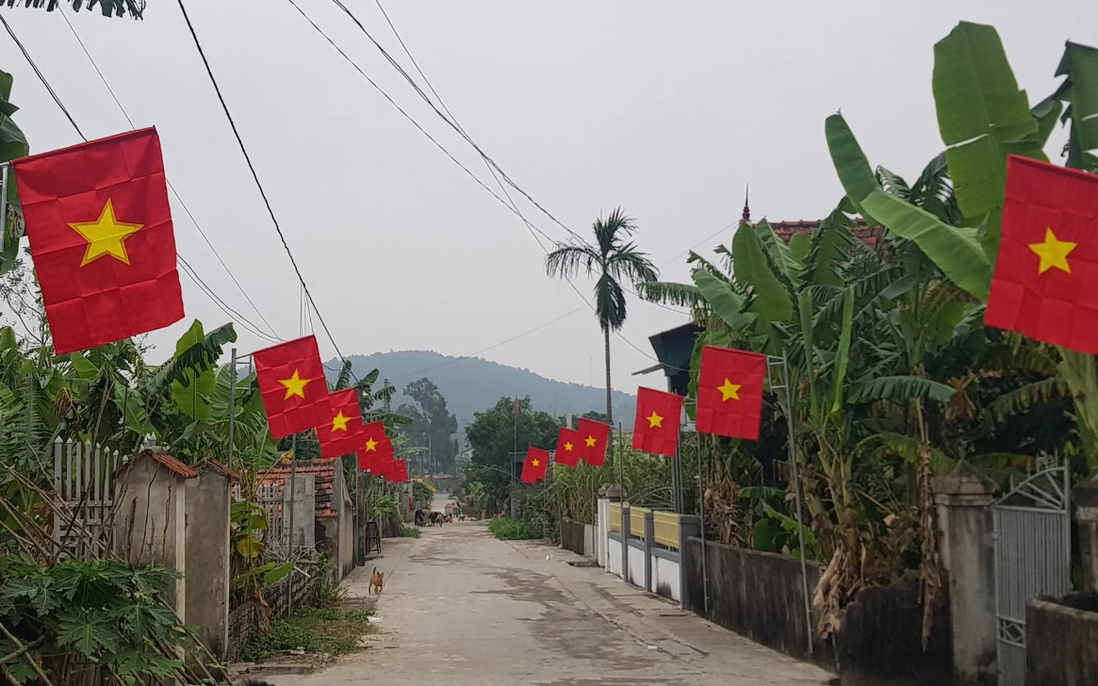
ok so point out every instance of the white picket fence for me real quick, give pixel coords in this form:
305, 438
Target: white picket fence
83, 477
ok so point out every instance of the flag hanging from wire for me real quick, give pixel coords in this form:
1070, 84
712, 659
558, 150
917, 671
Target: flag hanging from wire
100, 231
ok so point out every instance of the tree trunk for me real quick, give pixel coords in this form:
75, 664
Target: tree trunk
609, 397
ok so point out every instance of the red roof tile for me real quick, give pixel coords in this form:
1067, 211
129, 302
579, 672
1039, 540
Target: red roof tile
325, 471
861, 230
170, 463
220, 466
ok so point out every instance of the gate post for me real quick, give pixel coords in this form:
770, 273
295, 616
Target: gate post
968, 556
1085, 498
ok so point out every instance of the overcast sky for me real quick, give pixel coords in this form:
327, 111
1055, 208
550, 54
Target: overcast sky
665, 108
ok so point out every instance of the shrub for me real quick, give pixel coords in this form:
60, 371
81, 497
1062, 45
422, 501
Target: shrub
409, 532
507, 529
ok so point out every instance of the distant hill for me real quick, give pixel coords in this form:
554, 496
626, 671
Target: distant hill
472, 384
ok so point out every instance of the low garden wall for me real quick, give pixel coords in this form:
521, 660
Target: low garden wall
244, 620
1061, 640
572, 536
761, 596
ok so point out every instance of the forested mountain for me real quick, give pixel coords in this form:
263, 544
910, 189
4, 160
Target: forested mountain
472, 384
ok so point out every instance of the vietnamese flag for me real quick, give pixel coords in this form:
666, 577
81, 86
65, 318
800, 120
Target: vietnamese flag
533, 469
568, 444
343, 433
292, 383
1047, 267
658, 417
375, 452
398, 474
730, 392
594, 440
101, 238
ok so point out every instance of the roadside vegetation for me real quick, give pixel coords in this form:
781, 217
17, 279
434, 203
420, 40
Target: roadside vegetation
326, 630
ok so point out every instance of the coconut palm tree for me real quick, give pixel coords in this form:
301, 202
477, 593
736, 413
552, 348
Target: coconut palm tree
613, 257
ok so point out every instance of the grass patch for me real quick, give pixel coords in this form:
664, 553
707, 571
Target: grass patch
409, 532
314, 630
507, 529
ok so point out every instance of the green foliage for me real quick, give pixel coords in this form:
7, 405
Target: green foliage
432, 427
508, 529
409, 532
103, 611
314, 630
494, 435
108, 8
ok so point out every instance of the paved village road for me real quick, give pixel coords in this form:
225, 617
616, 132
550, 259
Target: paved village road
464, 609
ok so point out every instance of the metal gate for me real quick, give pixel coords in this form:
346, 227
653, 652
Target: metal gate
1032, 557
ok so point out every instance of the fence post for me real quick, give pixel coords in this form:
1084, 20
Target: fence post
625, 542
208, 556
968, 557
649, 538
688, 527
1085, 498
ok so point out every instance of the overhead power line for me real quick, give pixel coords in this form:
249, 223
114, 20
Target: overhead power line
533, 228
259, 184
171, 187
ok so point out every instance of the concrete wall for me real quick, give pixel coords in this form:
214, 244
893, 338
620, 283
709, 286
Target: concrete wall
602, 532
344, 508
303, 504
244, 620
636, 563
572, 536
666, 577
208, 551
760, 595
590, 540
149, 523
613, 554
1062, 641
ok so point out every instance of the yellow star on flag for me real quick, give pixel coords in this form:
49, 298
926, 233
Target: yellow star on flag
654, 421
339, 422
729, 390
295, 385
105, 236
567, 447
371, 445
535, 462
1053, 252
590, 441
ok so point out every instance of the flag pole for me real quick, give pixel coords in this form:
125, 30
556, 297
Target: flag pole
701, 526
232, 398
799, 498
293, 503
3, 203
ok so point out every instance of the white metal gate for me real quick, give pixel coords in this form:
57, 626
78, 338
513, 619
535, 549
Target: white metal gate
83, 478
1032, 557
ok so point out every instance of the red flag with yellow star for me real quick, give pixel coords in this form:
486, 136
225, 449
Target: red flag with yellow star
594, 440
101, 238
730, 392
658, 417
533, 469
343, 433
568, 443
292, 383
375, 452
1047, 265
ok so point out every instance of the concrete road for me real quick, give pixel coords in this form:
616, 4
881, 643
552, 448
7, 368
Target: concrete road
464, 609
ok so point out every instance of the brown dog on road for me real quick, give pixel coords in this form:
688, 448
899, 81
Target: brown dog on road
377, 581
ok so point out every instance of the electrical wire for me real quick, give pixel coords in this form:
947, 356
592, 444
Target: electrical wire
259, 184
175, 193
42, 77
188, 270
534, 230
